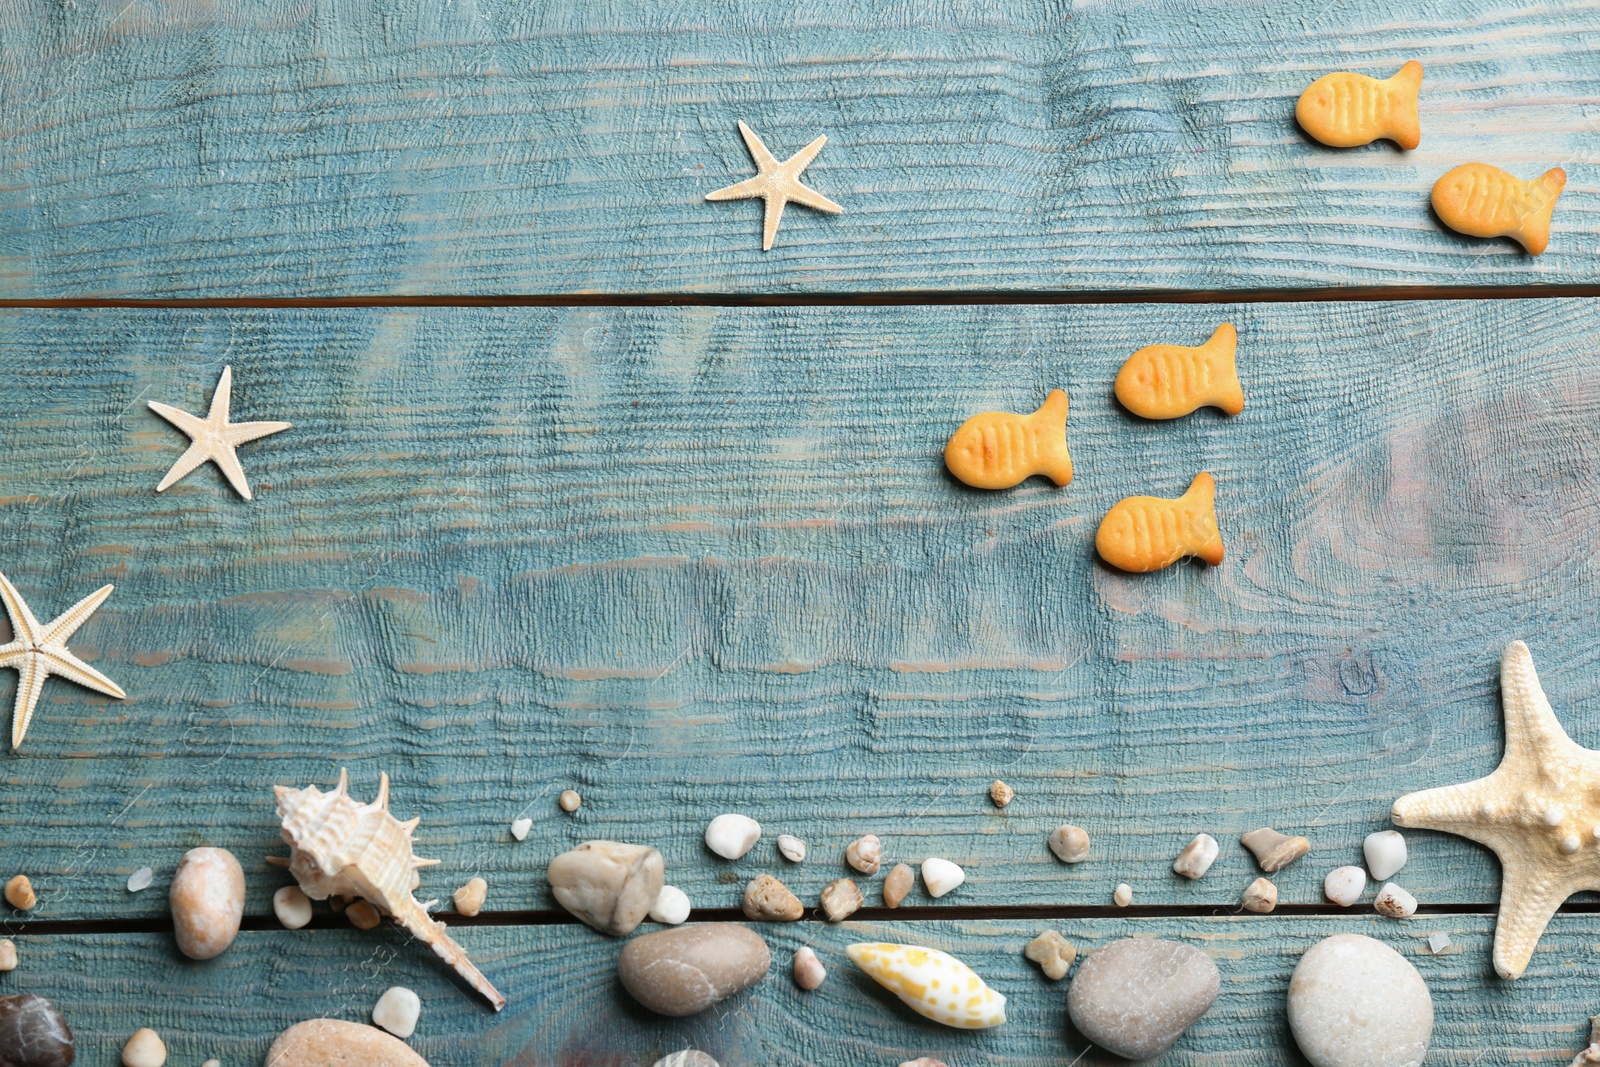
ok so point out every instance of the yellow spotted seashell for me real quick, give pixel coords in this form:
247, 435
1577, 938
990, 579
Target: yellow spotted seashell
932, 983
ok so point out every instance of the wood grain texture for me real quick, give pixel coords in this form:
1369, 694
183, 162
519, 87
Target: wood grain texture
566, 1007
299, 148
691, 561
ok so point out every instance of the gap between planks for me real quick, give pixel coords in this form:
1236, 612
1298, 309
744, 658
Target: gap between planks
1366, 294
1004, 913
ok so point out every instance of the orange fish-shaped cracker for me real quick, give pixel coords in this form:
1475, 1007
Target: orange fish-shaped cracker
1345, 110
997, 449
1170, 381
1146, 533
1484, 201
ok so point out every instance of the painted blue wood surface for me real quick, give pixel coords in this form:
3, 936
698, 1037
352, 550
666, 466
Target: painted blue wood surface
696, 560
315, 148
567, 1009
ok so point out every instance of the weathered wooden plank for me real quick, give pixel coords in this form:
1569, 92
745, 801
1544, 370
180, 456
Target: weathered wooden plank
690, 561
314, 149
567, 1008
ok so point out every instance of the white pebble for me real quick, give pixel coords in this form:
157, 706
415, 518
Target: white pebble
1123, 896
1395, 902
520, 828
671, 906
1197, 857
144, 1049
808, 970
140, 879
1386, 854
8, 955
793, 849
569, 801
731, 836
292, 907
941, 876
212, 1063
1437, 943
397, 1011
1344, 885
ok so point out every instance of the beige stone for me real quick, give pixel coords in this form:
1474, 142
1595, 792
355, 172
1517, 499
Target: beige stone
1260, 896
687, 969
1274, 851
335, 1043
470, 897
898, 884
768, 900
363, 916
1069, 843
20, 894
144, 1049
207, 902
840, 900
865, 854
8, 955
1000, 794
609, 885
809, 972
1053, 953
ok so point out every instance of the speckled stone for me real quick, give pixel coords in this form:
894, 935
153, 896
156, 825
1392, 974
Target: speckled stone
687, 969
609, 885
34, 1033
1136, 997
768, 900
1356, 1002
336, 1043
207, 901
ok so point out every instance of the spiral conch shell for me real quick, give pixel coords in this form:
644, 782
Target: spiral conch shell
339, 846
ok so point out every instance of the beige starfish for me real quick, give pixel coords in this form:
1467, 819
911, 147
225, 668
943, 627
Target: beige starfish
214, 437
1539, 811
36, 652
777, 183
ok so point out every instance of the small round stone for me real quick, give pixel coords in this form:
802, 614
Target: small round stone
8, 959
1343, 885
140, 880
940, 876
689, 1057
1070, 843
1136, 997
1000, 794
687, 969
34, 1033
1385, 852
1053, 953
470, 897
207, 902
520, 828
1395, 902
865, 854
898, 884
363, 916
840, 900
212, 1063
325, 1042
1197, 856
397, 1011
732, 835
20, 894
671, 906
292, 907
1122, 896
144, 1049
792, 848
1356, 1002
768, 900
1260, 896
569, 800
808, 970
924, 1061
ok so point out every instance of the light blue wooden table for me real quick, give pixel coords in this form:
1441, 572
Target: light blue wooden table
584, 491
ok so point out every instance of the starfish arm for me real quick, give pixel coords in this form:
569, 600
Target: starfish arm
769, 227
181, 419
64, 664
31, 674
804, 194
193, 457
13, 653
25, 628
1457, 809
748, 189
1531, 724
221, 399
227, 461
66, 624
239, 433
1527, 903
765, 160
802, 159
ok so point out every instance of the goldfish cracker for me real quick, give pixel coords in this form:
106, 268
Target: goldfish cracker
1345, 110
1483, 201
1147, 533
997, 449
1170, 381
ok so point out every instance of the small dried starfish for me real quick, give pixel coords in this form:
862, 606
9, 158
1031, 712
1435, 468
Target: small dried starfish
214, 437
37, 652
1539, 811
777, 183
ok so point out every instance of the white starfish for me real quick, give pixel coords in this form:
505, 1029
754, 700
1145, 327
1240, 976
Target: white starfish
37, 652
777, 183
1539, 811
214, 437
